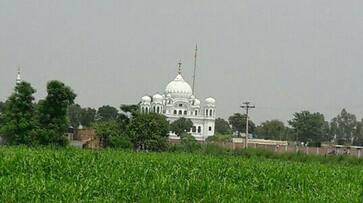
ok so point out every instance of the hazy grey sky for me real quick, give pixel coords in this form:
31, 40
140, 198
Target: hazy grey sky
283, 55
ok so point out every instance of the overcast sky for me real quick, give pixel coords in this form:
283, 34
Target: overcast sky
282, 55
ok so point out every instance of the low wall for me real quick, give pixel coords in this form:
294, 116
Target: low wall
324, 150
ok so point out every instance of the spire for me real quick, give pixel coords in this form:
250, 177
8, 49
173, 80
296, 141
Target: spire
18, 77
195, 67
179, 67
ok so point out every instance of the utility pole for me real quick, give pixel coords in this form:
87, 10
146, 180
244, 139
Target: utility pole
247, 106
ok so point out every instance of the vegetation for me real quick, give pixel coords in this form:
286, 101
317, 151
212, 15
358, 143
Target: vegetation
222, 126
52, 116
81, 116
272, 130
106, 113
69, 175
180, 126
149, 132
18, 120
238, 122
24, 123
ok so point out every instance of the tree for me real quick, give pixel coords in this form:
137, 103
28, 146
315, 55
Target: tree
87, 116
53, 113
358, 134
273, 130
132, 109
222, 126
343, 127
74, 112
18, 119
180, 126
81, 116
238, 122
149, 131
2, 107
127, 113
308, 127
106, 113
111, 135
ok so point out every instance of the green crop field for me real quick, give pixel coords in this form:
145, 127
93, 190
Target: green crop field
71, 175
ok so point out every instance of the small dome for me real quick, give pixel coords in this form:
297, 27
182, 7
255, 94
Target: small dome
192, 97
196, 102
157, 98
178, 88
146, 99
210, 100
168, 95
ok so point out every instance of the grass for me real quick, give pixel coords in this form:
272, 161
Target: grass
72, 175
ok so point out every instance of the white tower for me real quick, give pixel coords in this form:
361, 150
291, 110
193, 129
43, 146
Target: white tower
18, 77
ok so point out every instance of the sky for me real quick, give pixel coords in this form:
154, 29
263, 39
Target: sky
284, 56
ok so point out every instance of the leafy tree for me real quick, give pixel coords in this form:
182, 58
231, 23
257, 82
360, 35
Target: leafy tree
53, 113
222, 126
274, 130
180, 126
358, 134
238, 122
87, 116
130, 109
74, 112
19, 125
81, 116
106, 113
127, 112
308, 127
343, 127
2, 107
149, 131
111, 135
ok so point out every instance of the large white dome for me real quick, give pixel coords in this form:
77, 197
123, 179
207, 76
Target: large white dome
178, 88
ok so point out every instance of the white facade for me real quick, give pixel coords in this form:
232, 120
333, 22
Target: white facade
177, 102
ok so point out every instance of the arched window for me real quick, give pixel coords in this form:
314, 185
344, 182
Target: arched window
154, 109
210, 112
199, 129
158, 109
180, 112
196, 112
185, 112
146, 110
194, 129
206, 112
175, 112
210, 128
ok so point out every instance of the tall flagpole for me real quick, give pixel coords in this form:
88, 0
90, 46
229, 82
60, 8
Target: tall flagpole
195, 67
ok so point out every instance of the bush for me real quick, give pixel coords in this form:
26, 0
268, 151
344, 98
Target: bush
189, 143
220, 138
122, 142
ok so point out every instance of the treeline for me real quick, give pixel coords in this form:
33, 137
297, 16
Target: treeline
46, 122
305, 127
24, 122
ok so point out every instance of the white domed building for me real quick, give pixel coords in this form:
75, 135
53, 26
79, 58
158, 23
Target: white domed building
178, 101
